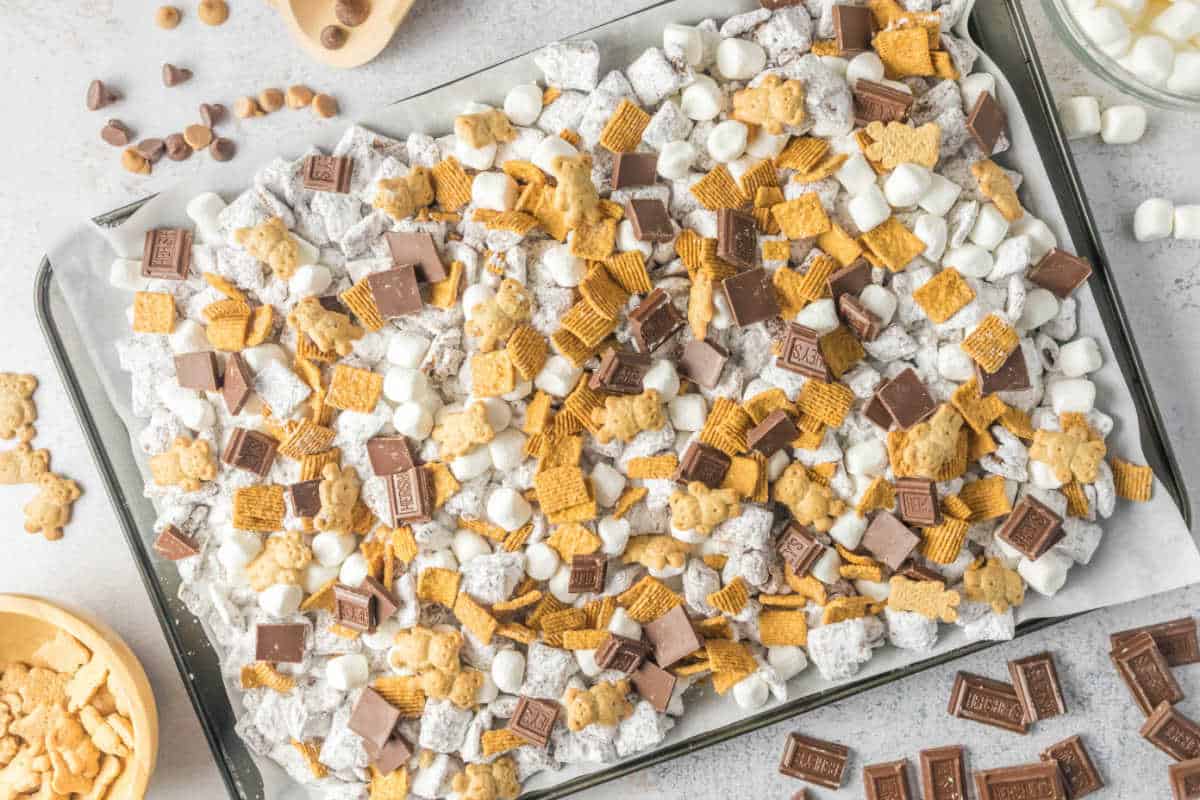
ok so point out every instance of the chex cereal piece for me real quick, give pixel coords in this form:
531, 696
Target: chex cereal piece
584, 639
589, 327
943, 295
904, 52
624, 128
689, 247
841, 609
516, 540
802, 153
839, 245
628, 499
451, 184
942, 543
259, 508
321, 599
729, 656
523, 171
893, 244
791, 290
438, 585
606, 297
594, 241
500, 740
828, 402
629, 270
648, 599
718, 190
527, 351
475, 618
661, 466
492, 374
264, 675
880, 494
991, 343
953, 506
599, 612
759, 177
153, 312
569, 347
354, 389
986, 498
895, 143
783, 628
1077, 502
517, 632
826, 167
402, 691
814, 284
732, 598
444, 293
712, 264
802, 218
1132, 481
560, 488
841, 350
996, 186
573, 539
305, 438
311, 465
359, 299
310, 752
776, 249
762, 404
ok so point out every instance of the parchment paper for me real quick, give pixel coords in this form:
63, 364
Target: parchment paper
1146, 550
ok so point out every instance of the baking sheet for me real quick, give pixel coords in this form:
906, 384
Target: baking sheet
1149, 549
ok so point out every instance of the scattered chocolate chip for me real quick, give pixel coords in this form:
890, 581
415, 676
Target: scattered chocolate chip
280, 643
177, 147
116, 133
99, 95
333, 37
222, 149
702, 362
325, 105
151, 149
173, 544
634, 169
352, 13
212, 113
173, 75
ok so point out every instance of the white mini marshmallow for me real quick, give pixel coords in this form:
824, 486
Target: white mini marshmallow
727, 140
869, 209
787, 660
662, 377
237, 550
953, 364
623, 625
547, 149
828, 566
480, 158
907, 184
507, 450
1152, 59
188, 337
558, 376
614, 533
258, 357
126, 273
541, 561
204, 209
1072, 394
475, 294
354, 569
940, 198
1046, 575
467, 545
1040, 236
315, 576
280, 599
381, 639
879, 301
348, 672
1123, 124
508, 670
974, 85
1104, 26
408, 349
560, 585
868, 457
310, 279
1154, 219
751, 692
856, 175
565, 269
1079, 357
739, 59
722, 319
499, 413
970, 259
820, 315
684, 39
413, 420
1185, 76
1187, 222
1041, 306
523, 104
934, 232
508, 509
702, 99
777, 463
1130, 9
607, 483
472, 465
876, 590
1043, 476
405, 385
836, 63
675, 160
494, 190
688, 412
864, 66
1080, 116
189, 406
990, 228
1179, 21
586, 659
766, 145
331, 549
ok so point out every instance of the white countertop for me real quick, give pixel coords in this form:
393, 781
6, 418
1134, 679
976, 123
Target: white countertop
55, 165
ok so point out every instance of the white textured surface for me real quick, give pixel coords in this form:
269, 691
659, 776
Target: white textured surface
55, 164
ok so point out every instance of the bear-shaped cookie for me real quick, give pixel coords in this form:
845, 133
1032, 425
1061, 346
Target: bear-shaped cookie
774, 104
410, 650
272, 243
927, 446
496, 318
23, 464
283, 559
626, 416
930, 599
1070, 453
605, 703
404, 196
330, 331
702, 509
460, 431
338, 490
50, 509
484, 128
575, 195
17, 411
495, 781
993, 583
462, 687
656, 552
186, 465
810, 502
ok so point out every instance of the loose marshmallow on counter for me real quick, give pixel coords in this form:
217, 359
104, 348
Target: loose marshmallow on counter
787, 660
864, 66
1071, 394
684, 39
941, 196
494, 190
820, 315
1152, 58
974, 85
934, 232
126, 273
558, 376
727, 140
739, 59
751, 692
354, 569
675, 160
663, 378
688, 412
1079, 357
869, 209
971, 260
1041, 306
475, 294
547, 149
880, 301
467, 545
857, 176
508, 509
1040, 236
204, 210
508, 670
828, 566
413, 420
310, 279
331, 549
188, 337
1185, 77
1107, 28
523, 104
1080, 116
607, 483
614, 534
1123, 124
348, 672
990, 228
1154, 219
280, 599
702, 99
907, 184
472, 465
541, 561
1187, 222
1179, 21
507, 450
1046, 575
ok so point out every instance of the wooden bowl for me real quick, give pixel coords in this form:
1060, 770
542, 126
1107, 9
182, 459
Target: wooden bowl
26, 622
306, 18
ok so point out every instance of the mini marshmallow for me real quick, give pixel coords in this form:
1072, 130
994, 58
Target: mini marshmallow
990, 228
940, 197
663, 378
558, 376
408, 349
739, 59
494, 190
472, 465
722, 319
1040, 236
1104, 26
280, 599
541, 561
126, 273
787, 660
315, 576
856, 175
204, 210
508, 509
876, 590
864, 66
727, 140
907, 184
405, 385
1154, 219
499, 413
508, 671
934, 232
310, 279
308, 253
614, 533
507, 450
1130, 9
974, 85
1041, 306
384, 635
1187, 222
467, 545
1046, 575
607, 483
188, 337
828, 566
766, 145
1043, 476
480, 158
1079, 357
475, 294
688, 412
331, 549
1179, 21
413, 420
868, 457
971, 260
354, 569
348, 672
777, 463
1185, 76
1072, 394
879, 301
565, 269
193, 411
627, 240
623, 625
587, 663
702, 100
1123, 124
751, 692
523, 104
238, 550
953, 364
675, 160
258, 357
869, 209
1152, 58
820, 315
686, 40
560, 584
547, 149
1080, 116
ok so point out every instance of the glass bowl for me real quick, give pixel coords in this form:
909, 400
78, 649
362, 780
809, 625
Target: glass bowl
1062, 19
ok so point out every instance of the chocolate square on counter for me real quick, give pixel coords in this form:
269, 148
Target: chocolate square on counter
650, 220
702, 362
620, 372
775, 432
801, 353
1039, 781
654, 321
981, 699
944, 773
173, 544
874, 102
389, 454
750, 296
1060, 272
327, 173
621, 653
634, 169
986, 123
1185, 780
1176, 640
672, 636
198, 371
533, 720
917, 502
887, 781
654, 684
906, 399
238, 383
1170, 731
280, 643
889, 539
737, 238
417, 249
410, 496
587, 573
252, 451
1079, 774
1145, 671
305, 498
704, 463
799, 549
853, 27
395, 291
167, 254
373, 718
353, 608
1031, 528
815, 761
1035, 680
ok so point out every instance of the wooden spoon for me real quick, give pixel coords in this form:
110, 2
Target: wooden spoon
306, 19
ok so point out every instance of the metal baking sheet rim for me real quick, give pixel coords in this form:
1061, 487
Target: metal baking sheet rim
1028, 81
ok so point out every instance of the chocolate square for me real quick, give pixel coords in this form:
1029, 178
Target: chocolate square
373, 718
1060, 272
587, 573
410, 496
654, 321
704, 463
352, 608
634, 169
1013, 375
1031, 528
917, 571
395, 291
874, 102
853, 27
1176, 640
238, 383
1038, 781
906, 399
672, 636
1185, 780
305, 498
167, 254
533, 720
1174, 733
889, 539
621, 653
702, 362
990, 702
250, 450
750, 296
799, 549
173, 544
650, 220
986, 122
917, 502
1035, 680
620, 372
280, 643
859, 318
877, 412
394, 754
198, 371
327, 173
775, 432
944, 773
654, 684
887, 781
801, 353
737, 238
851, 279
386, 602
419, 250
1079, 774
389, 454
1146, 673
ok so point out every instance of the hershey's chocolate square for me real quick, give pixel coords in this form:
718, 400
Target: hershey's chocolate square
990, 702
250, 450
889, 539
395, 291
737, 238
238, 383
280, 643
859, 318
394, 754
1185, 780
702, 362
775, 432
353, 608
1035, 680
654, 321
887, 781
621, 653
305, 498
654, 684
704, 463
620, 372
198, 371
906, 399
1146, 673
533, 720
1012, 375
815, 761
386, 602
650, 220
418, 250
389, 454
1177, 640
851, 279
1079, 774
917, 502
173, 544
1171, 731
587, 573
672, 636
410, 496
877, 412
167, 254
1035, 781
944, 773
874, 102
1060, 272
373, 718
853, 27
1031, 528
801, 353
634, 169
799, 549
986, 122
750, 296
327, 173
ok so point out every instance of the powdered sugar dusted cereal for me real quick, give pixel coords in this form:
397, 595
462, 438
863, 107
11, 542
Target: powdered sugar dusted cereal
695, 370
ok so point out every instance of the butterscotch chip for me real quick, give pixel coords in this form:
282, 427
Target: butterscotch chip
895, 143
492, 374
198, 136
828, 402
628, 499
245, 107
944, 295
135, 162
153, 312
893, 244
624, 128
298, 96
402, 691
213, 12
942, 543
653, 467
354, 389
841, 350
629, 270
325, 106
802, 153
760, 177
1132, 481
166, 17
732, 598
438, 585
802, 218
594, 241
718, 190
904, 52
991, 343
